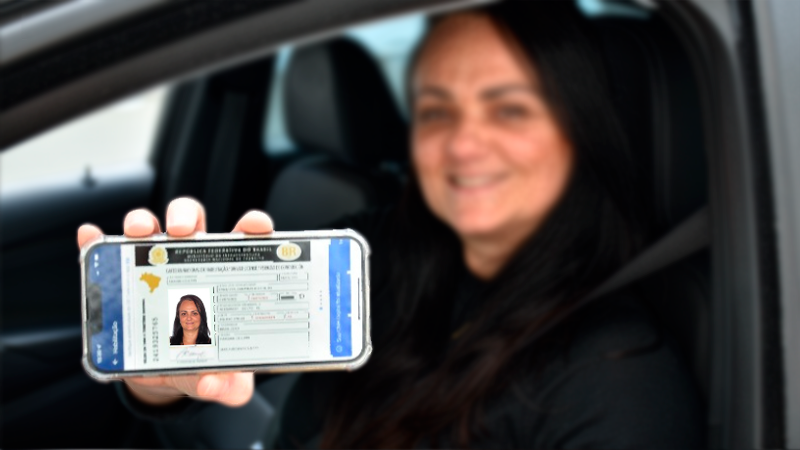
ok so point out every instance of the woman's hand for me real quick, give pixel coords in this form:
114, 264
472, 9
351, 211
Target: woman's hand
185, 217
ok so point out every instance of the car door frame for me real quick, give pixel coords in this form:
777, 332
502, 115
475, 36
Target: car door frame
747, 398
775, 37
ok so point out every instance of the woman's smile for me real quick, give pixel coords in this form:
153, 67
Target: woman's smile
476, 196
475, 183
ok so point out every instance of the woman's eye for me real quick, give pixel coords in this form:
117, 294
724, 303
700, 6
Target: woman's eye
427, 115
510, 112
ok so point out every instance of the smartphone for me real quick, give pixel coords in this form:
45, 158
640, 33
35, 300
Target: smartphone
292, 301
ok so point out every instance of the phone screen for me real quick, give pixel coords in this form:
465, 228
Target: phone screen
214, 304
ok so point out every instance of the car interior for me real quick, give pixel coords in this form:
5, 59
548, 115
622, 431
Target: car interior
349, 136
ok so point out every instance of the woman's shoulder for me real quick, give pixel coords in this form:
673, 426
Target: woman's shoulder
612, 327
618, 334
616, 381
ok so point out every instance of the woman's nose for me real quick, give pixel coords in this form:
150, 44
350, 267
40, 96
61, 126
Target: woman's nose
465, 141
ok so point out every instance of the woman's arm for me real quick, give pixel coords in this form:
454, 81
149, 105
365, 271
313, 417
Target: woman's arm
185, 217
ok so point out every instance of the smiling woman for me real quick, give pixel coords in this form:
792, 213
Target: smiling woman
523, 201
191, 322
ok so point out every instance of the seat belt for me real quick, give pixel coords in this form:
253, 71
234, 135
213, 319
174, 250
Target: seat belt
689, 236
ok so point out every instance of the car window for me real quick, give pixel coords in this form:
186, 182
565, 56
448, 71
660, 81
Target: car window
117, 135
390, 42
599, 8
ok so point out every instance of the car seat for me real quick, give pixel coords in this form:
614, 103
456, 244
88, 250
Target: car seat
348, 129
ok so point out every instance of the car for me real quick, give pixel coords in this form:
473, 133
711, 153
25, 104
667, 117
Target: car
108, 106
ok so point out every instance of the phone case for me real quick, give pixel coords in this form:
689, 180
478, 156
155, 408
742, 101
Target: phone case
350, 365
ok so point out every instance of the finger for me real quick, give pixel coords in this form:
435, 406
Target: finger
185, 216
153, 390
88, 232
162, 389
140, 223
160, 381
254, 222
231, 389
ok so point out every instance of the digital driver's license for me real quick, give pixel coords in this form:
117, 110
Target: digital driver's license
224, 303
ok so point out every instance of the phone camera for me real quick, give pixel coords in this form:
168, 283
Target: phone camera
94, 300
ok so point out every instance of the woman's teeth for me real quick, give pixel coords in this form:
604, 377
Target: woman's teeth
472, 181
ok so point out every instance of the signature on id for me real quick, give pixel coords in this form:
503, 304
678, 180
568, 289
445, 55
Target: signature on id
191, 353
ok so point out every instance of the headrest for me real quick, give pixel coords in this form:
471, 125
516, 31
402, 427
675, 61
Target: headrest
336, 102
655, 92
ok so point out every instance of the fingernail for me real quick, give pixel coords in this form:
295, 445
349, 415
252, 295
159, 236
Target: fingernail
181, 216
140, 219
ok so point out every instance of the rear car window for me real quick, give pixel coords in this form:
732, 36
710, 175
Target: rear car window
121, 134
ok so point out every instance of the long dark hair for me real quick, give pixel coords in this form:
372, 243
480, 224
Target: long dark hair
203, 333
423, 386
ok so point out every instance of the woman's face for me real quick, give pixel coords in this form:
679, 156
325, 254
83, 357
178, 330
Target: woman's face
189, 315
489, 155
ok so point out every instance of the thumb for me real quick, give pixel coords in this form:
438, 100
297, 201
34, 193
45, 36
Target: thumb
231, 389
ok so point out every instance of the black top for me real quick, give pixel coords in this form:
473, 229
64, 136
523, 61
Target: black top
617, 382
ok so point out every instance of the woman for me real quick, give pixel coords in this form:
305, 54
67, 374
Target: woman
521, 203
191, 324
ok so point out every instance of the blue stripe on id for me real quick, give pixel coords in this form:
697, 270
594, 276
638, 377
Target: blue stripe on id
339, 285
